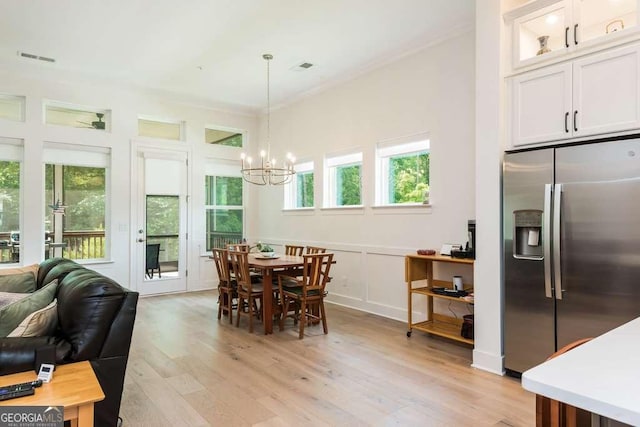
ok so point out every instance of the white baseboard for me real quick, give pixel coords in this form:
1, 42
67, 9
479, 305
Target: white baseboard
489, 362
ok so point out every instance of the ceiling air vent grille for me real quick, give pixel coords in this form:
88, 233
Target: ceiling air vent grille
37, 57
306, 65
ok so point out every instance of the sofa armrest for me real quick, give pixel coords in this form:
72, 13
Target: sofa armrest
19, 354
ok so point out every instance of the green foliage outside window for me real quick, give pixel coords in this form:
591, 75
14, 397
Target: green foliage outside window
348, 185
304, 190
9, 196
408, 178
224, 212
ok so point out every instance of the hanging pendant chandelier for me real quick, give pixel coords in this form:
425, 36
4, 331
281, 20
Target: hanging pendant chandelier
266, 171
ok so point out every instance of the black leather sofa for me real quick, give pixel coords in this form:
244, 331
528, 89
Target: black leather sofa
95, 323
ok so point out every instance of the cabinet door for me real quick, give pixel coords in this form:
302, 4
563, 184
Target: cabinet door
541, 102
606, 92
598, 20
542, 33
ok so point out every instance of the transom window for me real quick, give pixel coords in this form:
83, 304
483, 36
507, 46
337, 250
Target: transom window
299, 192
161, 129
223, 137
12, 107
76, 116
343, 178
402, 172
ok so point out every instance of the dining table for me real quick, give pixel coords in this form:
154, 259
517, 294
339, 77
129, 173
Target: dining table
269, 268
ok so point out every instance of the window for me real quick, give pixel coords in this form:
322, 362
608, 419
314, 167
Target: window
299, 192
402, 172
12, 107
75, 201
224, 207
343, 177
10, 163
223, 137
160, 129
76, 116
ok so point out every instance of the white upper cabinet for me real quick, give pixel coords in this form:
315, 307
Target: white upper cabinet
548, 30
593, 95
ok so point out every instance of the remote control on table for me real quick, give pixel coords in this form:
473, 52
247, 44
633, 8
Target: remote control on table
5, 395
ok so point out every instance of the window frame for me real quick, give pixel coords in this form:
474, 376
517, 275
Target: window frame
397, 148
222, 170
331, 165
12, 150
50, 105
291, 188
62, 154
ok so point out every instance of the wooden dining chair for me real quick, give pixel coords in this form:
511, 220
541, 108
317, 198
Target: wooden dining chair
227, 292
293, 250
249, 290
309, 295
316, 250
552, 413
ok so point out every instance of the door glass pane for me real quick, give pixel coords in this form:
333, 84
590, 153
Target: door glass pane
542, 34
163, 229
601, 17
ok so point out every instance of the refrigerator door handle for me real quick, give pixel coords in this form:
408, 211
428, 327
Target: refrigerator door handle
557, 271
546, 240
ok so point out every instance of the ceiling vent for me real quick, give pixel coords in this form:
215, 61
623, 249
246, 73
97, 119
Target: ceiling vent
37, 57
303, 66
306, 65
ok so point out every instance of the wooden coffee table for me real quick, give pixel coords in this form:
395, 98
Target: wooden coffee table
73, 386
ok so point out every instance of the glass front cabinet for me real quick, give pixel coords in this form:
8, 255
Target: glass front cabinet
547, 29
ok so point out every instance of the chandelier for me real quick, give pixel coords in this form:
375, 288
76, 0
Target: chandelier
266, 171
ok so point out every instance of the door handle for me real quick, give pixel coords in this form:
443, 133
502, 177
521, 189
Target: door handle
566, 122
566, 36
575, 121
140, 240
557, 276
575, 34
546, 240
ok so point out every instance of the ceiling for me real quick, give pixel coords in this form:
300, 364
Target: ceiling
210, 51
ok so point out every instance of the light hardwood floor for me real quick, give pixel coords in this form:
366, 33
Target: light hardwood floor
186, 368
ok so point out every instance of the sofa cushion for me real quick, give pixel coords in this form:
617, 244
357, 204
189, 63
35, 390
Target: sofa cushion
40, 323
13, 314
19, 282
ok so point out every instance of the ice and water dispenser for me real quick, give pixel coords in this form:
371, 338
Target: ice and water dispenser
527, 234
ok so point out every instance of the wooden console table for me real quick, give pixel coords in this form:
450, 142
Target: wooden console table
73, 386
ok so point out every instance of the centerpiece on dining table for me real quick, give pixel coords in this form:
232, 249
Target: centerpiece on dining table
265, 250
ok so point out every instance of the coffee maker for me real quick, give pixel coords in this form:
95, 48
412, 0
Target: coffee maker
470, 249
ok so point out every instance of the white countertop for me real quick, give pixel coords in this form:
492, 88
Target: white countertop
601, 376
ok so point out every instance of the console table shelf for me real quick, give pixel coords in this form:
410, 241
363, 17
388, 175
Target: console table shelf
419, 268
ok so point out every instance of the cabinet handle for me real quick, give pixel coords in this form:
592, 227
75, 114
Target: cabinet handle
566, 36
575, 34
575, 122
566, 122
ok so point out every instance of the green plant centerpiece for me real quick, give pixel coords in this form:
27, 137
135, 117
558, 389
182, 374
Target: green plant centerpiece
265, 249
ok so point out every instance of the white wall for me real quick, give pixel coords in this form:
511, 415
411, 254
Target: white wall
126, 105
429, 91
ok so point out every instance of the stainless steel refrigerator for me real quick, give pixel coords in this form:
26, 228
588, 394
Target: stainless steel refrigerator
571, 246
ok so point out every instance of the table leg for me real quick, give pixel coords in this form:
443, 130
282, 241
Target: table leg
85, 415
267, 301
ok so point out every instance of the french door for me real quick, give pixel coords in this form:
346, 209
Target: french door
161, 219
